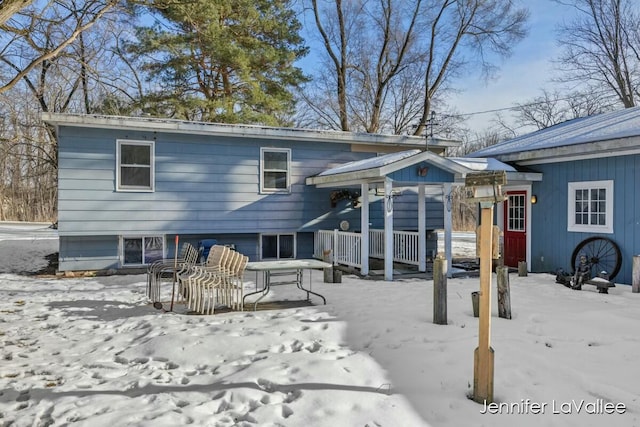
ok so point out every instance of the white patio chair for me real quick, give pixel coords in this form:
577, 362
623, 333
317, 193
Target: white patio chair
220, 285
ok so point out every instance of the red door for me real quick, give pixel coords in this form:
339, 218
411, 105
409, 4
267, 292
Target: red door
515, 228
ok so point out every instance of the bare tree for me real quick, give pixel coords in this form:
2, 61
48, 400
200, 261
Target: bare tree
388, 60
602, 46
77, 79
52, 18
9, 7
552, 108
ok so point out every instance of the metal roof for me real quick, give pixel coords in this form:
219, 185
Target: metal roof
611, 126
375, 169
240, 130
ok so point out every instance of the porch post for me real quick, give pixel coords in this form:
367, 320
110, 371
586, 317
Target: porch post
422, 232
446, 198
388, 230
364, 229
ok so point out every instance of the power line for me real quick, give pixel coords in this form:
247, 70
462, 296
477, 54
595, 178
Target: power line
530, 104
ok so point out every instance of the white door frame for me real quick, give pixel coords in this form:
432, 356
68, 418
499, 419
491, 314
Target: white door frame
500, 216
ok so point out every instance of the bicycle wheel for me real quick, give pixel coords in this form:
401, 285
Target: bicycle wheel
602, 253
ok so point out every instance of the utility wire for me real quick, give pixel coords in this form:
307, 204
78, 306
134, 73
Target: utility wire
530, 104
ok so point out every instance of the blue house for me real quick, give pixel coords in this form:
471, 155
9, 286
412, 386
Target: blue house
590, 171
127, 186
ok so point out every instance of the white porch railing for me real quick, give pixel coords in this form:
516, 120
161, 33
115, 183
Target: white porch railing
344, 246
405, 246
347, 248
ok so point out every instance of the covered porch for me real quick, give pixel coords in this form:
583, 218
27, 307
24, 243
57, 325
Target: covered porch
378, 177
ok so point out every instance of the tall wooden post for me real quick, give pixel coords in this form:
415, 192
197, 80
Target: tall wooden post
484, 355
487, 190
440, 291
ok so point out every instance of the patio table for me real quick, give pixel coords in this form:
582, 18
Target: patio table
285, 269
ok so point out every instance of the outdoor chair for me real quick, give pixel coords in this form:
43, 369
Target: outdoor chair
215, 261
169, 268
223, 285
206, 287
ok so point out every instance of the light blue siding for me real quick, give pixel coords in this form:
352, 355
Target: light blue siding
551, 243
205, 186
410, 174
202, 185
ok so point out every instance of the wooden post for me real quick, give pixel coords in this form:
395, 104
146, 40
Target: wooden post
440, 291
636, 274
504, 297
522, 268
484, 355
328, 272
475, 303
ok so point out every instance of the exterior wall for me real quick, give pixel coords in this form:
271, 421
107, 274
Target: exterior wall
205, 186
552, 245
88, 253
102, 252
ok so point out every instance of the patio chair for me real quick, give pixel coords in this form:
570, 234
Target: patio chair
169, 268
156, 266
235, 285
211, 289
215, 261
211, 286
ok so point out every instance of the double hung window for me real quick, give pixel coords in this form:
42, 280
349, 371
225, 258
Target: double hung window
135, 166
275, 165
590, 207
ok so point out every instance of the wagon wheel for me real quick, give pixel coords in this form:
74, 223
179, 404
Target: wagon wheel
601, 252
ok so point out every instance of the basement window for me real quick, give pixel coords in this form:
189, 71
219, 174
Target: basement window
277, 246
141, 250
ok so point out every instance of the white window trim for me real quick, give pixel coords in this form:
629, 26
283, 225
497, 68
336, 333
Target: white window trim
571, 209
295, 244
152, 166
264, 190
139, 236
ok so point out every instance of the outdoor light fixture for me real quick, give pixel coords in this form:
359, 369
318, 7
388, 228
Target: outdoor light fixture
534, 199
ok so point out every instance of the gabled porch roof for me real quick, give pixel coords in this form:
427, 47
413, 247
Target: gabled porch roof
413, 167
404, 169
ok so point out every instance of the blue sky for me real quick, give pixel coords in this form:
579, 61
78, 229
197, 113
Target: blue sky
519, 78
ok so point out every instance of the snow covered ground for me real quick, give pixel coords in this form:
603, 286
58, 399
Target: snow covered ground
93, 352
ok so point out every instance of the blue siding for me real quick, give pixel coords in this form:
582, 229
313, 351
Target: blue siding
101, 252
410, 174
552, 244
204, 186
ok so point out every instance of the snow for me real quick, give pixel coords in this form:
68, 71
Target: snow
93, 352
624, 123
482, 164
370, 163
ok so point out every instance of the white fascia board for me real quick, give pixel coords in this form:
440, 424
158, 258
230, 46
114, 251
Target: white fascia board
523, 177
345, 183
593, 150
236, 130
361, 176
